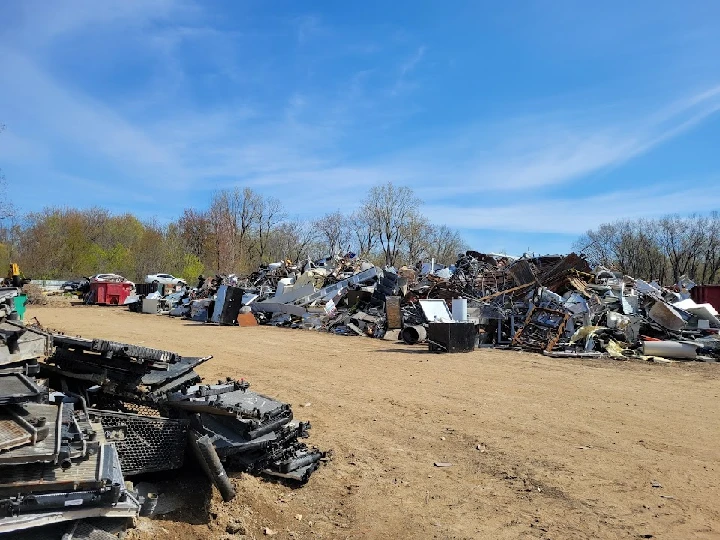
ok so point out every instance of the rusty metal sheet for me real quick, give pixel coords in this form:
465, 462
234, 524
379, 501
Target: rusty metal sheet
522, 272
393, 312
45, 450
12, 433
40, 477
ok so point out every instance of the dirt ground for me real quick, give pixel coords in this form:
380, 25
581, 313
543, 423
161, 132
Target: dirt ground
538, 447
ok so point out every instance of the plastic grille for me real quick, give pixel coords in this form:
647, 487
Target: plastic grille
144, 443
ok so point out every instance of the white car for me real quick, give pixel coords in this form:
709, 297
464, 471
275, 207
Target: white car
117, 278
165, 279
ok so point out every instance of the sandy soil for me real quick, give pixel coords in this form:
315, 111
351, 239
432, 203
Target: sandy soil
538, 447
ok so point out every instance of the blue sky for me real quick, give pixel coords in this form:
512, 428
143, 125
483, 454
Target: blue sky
520, 123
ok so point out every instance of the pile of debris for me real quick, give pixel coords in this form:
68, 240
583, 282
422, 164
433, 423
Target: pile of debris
77, 416
552, 304
605, 313
55, 463
225, 422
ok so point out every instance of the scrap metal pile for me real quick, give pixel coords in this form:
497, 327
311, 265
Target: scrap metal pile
78, 415
149, 387
552, 304
560, 307
55, 462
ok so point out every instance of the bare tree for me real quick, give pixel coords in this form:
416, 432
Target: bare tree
630, 247
233, 216
221, 235
664, 249
445, 244
416, 233
332, 229
270, 215
194, 229
248, 208
292, 240
388, 208
711, 250
363, 231
681, 239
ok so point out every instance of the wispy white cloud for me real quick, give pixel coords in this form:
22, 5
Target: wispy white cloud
413, 61
36, 103
582, 210
280, 153
406, 68
307, 146
537, 153
45, 21
111, 193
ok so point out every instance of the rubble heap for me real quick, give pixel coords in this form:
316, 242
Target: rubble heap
552, 304
106, 410
55, 463
141, 387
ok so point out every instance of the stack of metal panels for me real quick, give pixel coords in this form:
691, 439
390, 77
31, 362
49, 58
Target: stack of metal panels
149, 405
55, 464
130, 372
248, 431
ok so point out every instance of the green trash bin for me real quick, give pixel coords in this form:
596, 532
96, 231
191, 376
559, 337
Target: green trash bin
20, 301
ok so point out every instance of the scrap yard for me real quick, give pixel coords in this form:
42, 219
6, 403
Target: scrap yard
537, 447
359, 272
495, 397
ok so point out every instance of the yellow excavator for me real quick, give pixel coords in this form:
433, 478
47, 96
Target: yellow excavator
15, 277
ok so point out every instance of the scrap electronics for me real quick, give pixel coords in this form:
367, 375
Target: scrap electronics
73, 426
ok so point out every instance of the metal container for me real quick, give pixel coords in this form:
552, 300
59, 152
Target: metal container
459, 309
706, 294
150, 305
109, 293
451, 337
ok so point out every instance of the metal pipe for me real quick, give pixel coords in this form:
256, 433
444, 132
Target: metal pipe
210, 462
670, 349
413, 334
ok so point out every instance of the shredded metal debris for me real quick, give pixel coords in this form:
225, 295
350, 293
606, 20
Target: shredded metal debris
552, 304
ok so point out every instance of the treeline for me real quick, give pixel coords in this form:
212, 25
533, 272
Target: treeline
663, 249
239, 230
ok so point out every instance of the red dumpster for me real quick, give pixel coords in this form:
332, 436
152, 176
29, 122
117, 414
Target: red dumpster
706, 294
109, 293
